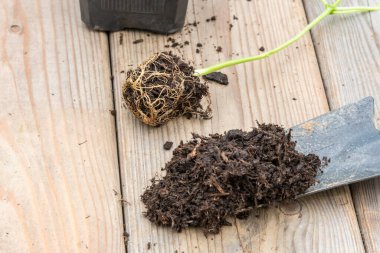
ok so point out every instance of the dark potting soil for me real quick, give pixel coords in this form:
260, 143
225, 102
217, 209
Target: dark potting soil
113, 112
228, 175
138, 41
218, 77
168, 145
213, 18
164, 87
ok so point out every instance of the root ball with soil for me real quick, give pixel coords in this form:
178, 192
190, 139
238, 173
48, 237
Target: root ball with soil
163, 88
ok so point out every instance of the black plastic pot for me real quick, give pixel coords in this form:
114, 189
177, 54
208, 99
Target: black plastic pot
162, 16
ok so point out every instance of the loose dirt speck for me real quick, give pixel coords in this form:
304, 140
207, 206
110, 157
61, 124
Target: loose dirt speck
218, 77
138, 41
168, 145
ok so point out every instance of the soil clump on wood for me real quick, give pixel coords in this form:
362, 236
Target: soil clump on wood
218, 77
210, 179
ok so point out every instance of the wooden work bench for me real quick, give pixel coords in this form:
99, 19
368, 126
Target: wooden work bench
65, 160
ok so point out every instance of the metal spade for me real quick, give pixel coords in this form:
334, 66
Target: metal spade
349, 138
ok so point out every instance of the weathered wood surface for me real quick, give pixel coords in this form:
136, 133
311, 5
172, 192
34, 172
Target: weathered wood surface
58, 158
285, 89
348, 49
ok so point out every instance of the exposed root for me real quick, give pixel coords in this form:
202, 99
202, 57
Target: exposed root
164, 88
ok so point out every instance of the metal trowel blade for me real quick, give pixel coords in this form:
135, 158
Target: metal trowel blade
348, 138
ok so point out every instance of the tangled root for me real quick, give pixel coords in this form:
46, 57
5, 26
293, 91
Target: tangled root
164, 88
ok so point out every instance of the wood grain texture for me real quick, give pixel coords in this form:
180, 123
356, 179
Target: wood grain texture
261, 91
58, 160
348, 49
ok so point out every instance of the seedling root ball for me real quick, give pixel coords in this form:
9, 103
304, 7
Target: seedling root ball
163, 88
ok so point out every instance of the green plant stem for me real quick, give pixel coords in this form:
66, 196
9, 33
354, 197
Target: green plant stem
216, 67
329, 9
356, 9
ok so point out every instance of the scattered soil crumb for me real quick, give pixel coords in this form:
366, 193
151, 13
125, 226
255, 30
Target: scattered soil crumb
175, 43
168, 145
148, 245
210, 179
138, 41
121, 37
235, 18
219, 49
294, 99
113, 112
213, 18
262, 49
199, 44
83, 142
325, 160
197, 51
218, 77
163, 88
126, 238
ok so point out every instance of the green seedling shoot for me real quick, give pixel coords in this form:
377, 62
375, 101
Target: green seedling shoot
330, 9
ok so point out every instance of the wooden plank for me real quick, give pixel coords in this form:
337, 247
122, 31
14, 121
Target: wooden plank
349, 56
261, 91
58, 160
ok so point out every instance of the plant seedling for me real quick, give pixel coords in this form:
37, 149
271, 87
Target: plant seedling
165, 87
330, 9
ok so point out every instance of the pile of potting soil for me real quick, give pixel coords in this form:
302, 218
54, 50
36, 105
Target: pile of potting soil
227, 175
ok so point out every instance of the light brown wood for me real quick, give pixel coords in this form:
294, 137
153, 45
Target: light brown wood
261, 91
348, 49
58, 158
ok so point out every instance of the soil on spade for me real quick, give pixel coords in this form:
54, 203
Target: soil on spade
210, 179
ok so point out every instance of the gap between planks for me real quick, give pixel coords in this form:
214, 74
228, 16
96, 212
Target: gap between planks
116, 115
